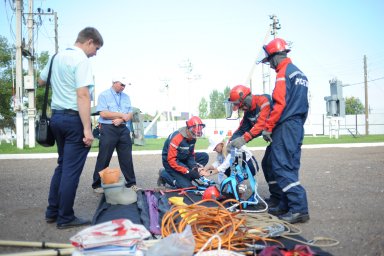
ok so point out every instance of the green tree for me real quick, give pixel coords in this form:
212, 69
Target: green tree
41, 61
6, 91
7, 113
226, 92
216, 104
203, 108
353, 106
216, 107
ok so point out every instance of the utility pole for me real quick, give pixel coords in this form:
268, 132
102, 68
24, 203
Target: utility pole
29, 80
366, 97
29, 83
188, 68
274, 27
18, 103
56, 34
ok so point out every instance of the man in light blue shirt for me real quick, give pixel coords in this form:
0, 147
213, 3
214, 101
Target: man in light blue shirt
115, 111
72, 86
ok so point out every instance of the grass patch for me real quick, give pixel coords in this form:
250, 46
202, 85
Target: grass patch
157, 144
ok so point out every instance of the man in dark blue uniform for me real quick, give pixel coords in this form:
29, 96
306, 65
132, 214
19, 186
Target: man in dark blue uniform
285, 131
256, 111
181, 163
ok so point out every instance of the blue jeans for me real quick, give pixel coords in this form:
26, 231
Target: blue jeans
68, 132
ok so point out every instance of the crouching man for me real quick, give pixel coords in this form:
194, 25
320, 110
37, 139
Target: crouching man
181, 163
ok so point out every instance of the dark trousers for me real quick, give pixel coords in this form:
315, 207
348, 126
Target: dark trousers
285, 158
179, 180
68, 132
115, 137
266, 165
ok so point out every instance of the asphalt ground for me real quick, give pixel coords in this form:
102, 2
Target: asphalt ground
345, 189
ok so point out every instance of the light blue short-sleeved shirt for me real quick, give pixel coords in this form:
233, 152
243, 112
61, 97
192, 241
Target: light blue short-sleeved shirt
111, 101
71, 70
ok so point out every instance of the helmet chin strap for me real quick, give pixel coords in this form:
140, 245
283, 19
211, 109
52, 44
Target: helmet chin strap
276, 59
248, 101
190, 134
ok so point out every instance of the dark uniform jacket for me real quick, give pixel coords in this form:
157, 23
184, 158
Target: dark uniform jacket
253, 122
179, 151
289, 96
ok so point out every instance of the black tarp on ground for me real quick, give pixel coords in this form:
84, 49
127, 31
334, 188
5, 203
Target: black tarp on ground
107, 212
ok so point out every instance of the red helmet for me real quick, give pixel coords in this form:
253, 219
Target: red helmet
195, 126
275, 46
238, 94
211, 193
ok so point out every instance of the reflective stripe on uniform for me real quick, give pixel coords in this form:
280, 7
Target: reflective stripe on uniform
265, 104
291, 185
272, 182
280, 79
175, 146
295, 73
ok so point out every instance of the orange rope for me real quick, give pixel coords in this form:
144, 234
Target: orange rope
208, 221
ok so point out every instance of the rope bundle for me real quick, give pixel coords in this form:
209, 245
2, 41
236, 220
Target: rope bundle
209, 221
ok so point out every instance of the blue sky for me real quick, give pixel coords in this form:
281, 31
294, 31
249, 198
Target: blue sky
149, 41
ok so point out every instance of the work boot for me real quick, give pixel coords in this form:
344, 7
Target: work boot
276, 211
160, 181
294, 217
272, 202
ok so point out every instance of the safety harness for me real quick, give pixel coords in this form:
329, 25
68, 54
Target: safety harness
241, 185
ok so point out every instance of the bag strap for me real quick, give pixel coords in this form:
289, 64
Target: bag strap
44, 112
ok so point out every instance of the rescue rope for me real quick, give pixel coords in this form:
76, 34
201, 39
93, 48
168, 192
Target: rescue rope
268, 225
209, 221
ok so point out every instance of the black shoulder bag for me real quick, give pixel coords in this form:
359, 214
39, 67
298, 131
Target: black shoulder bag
44, 135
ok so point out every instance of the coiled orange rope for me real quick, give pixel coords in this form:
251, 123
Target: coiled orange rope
208, 221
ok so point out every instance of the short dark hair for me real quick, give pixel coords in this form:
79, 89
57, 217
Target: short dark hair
90, 33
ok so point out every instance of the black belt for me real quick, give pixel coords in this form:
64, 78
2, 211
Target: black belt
65, 111
120, 125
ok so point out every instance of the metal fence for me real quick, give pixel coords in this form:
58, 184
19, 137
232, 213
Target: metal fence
315, 125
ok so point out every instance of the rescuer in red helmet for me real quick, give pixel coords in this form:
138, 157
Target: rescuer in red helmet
181, 163
256, 110
284, 128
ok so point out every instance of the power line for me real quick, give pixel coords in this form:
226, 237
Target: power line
364, 82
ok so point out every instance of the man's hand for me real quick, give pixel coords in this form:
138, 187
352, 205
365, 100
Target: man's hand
127, 117
88, 138
238, 143
117, 121
267, 136
193, 174
205, 172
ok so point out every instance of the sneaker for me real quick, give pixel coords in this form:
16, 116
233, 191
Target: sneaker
135, 188
160, 181
294, 217
98, 190
77, 222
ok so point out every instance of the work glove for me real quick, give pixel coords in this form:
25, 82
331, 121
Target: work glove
193, 174
238, 143
198, 165
267, 136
